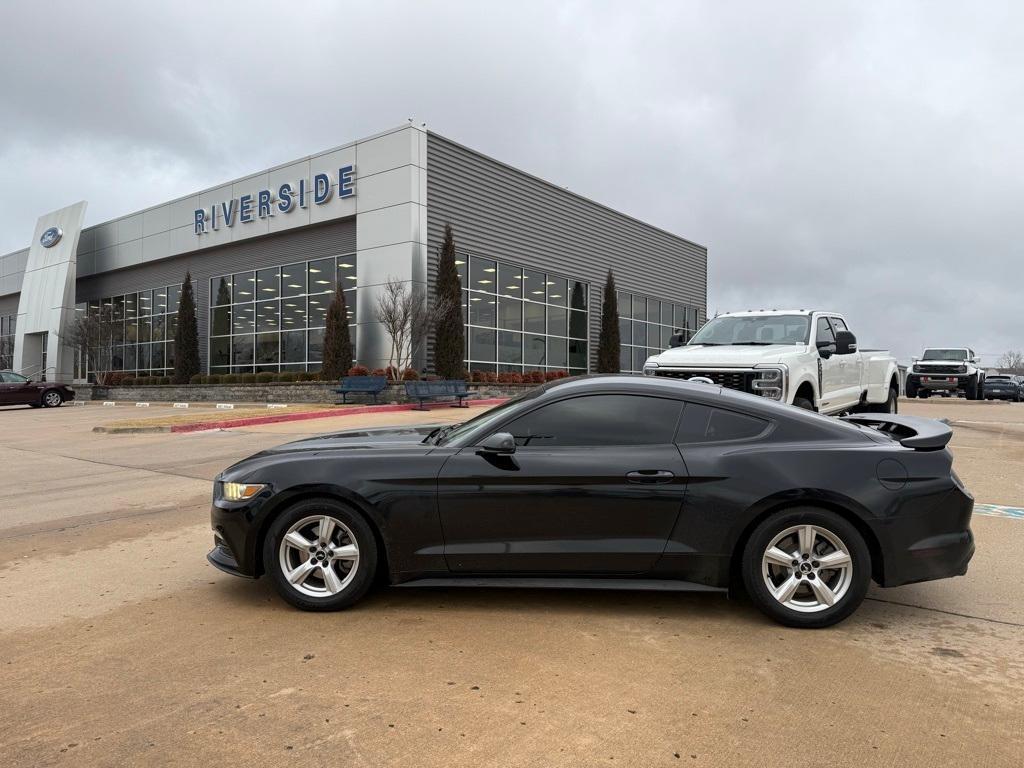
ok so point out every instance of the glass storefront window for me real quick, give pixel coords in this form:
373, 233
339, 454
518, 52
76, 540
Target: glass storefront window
283, 319
651, 328
532, 311
268, 284
242, 287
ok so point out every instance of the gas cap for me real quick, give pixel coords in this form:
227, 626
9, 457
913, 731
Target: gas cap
892, 474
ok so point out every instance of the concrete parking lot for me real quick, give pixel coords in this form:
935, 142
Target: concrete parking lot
119, 645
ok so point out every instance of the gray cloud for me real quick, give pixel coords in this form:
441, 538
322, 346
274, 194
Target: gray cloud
866, 159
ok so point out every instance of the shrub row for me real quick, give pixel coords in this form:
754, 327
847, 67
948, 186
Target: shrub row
409, 374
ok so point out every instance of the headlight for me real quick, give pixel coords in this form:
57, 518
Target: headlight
916, 368
239, 491
769, 382
962, 369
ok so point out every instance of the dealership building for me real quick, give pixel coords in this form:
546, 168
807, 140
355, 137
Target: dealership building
267, 251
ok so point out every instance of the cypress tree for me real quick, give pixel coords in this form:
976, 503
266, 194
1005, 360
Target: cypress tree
186, 335
449, 332
608, 344
337, 341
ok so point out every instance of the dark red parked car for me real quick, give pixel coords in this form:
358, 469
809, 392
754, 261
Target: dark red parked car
16, 389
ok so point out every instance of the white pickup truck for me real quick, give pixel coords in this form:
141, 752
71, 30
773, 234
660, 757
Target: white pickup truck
801, 357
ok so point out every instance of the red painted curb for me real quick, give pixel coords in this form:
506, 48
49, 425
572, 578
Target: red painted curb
202, 426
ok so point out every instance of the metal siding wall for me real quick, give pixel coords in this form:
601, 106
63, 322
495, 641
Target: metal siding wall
307, 243
503, 213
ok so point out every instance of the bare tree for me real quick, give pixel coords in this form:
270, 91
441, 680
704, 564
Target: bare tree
407, 317
1012, 362
91, 334
6, 352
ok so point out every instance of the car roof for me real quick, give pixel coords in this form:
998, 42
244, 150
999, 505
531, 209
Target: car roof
705, 394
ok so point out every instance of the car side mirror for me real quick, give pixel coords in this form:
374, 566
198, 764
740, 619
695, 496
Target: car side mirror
826, 349
498, 444
846, 343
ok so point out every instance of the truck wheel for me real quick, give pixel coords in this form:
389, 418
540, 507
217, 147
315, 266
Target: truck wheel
923, 394
911, 389
889, 406
803, 402
971, 390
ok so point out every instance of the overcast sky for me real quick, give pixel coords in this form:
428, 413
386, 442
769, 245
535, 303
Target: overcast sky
860, 157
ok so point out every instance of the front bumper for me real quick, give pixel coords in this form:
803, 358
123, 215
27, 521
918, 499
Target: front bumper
930, 545
235, 534
938, 381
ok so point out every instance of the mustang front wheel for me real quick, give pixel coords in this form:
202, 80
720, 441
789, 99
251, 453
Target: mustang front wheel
807, 567
321, 555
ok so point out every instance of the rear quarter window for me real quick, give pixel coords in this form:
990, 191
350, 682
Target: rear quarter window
704, 424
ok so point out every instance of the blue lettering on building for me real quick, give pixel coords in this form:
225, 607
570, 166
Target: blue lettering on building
263, 203
284, 195
245, 209
209, 219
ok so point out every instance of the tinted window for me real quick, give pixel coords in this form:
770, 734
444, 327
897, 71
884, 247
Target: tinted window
599, 420
703, 424
838, 324
951, 355
823, 334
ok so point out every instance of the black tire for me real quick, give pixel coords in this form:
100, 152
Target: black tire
357, 529
972, 390
924, 393
857, 581
803, 402
52, 398
891, 405
910, 389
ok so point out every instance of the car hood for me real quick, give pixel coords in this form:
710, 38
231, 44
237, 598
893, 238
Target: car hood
358, 439
697, 355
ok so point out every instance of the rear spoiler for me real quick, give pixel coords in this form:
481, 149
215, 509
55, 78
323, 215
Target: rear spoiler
912, 431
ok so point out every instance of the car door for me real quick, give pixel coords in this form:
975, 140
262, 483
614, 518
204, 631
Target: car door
6, 389
20, 389
850, 368
594, 487
831, 376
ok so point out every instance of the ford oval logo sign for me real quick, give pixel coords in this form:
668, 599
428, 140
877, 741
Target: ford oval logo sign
51, 237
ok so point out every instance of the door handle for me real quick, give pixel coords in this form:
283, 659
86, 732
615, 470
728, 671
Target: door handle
650, 476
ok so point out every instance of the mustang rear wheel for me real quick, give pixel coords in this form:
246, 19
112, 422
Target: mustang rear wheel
806, 567
321, 555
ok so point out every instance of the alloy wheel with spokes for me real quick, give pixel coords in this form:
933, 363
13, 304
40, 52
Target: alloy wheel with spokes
52, 399
807, 568
321, 554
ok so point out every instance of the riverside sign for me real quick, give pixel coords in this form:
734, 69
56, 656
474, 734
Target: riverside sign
288, 197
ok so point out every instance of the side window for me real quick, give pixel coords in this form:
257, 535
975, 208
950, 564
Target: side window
703, 424
823, 334
599, 420
838, 324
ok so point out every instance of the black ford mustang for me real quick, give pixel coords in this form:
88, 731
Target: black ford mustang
615, 482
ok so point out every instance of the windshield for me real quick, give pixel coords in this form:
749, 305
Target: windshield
479, 426
954, 355
764, 329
